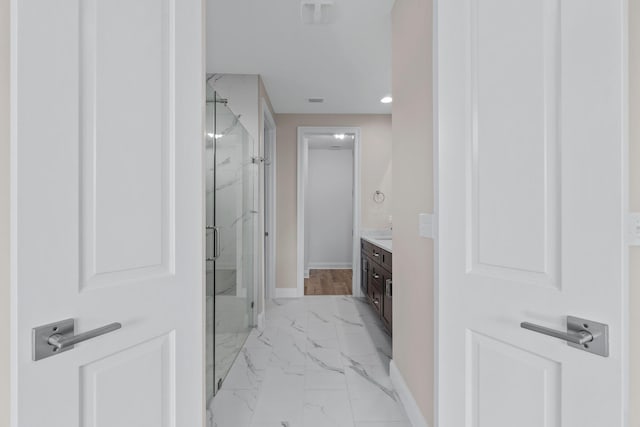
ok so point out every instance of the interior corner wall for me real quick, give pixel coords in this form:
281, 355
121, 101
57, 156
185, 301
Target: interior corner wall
5, 369
413, 189
375, 174
634, 206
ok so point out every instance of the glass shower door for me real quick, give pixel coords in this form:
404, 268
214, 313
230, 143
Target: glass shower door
231, 183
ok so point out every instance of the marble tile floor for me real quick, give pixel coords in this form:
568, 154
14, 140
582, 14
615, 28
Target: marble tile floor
321, 361
231, 331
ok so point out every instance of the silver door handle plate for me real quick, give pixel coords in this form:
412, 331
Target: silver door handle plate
583, 334
58, 337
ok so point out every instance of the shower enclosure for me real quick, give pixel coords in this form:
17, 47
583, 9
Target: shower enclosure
230, 238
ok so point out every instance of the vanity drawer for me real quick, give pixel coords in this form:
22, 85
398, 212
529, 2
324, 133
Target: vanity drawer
385, 259
367, 248
376, 296
377, 275
376, 254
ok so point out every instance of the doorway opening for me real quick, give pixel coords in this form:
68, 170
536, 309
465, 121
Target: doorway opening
328, 211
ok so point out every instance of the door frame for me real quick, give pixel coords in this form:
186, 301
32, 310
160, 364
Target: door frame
302, 170
269, 220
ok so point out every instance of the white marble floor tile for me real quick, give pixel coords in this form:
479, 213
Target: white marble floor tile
324, 408
320, 362
318, 330
289, 349
324, 380
248, 370
376, 405
325, 358
281, 396
233, 408
328, 343
367, 379
261, 339
385, 424
356, 343
258, 423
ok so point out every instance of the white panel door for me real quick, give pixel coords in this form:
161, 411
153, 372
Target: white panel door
532, 205
107, 210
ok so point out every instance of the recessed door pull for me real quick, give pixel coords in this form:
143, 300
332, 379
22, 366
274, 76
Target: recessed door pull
586, 335
58, 337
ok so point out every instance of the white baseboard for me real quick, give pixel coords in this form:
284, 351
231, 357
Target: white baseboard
409, 403
261, 321
330, 265
287, 293
306, 273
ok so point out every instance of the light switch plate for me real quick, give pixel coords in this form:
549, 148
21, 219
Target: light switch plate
634, 229
426, 225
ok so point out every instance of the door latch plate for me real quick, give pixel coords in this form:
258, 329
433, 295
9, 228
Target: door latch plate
41, 349
600, 332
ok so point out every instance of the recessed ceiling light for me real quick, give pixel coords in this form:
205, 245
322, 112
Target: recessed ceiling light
339, 136
386, 100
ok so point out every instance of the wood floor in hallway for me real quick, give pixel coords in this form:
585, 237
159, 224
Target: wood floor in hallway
328, 282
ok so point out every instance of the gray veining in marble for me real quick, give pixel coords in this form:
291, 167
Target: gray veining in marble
349, 322
319, 362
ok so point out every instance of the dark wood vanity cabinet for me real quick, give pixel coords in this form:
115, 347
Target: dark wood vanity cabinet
376, 280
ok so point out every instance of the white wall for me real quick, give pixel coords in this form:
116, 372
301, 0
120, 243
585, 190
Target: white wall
329, 210
4, 210
634, 205
242, 91
413, 256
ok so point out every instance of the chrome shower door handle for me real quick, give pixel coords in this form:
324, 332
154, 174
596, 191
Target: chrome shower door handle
583, 334
217, 245
58, 337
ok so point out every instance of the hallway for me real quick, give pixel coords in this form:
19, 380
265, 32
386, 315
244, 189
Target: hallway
317, 363
329, 282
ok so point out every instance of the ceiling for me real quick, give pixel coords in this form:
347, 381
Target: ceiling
347, 62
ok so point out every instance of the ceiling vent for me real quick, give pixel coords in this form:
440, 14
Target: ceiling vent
316, 12
315, 100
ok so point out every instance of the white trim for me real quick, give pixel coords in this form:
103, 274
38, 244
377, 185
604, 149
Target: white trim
287, 293
261, 321
330, 266
303, 163
269, 124
406, 398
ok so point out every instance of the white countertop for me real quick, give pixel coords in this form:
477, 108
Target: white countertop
382, 239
